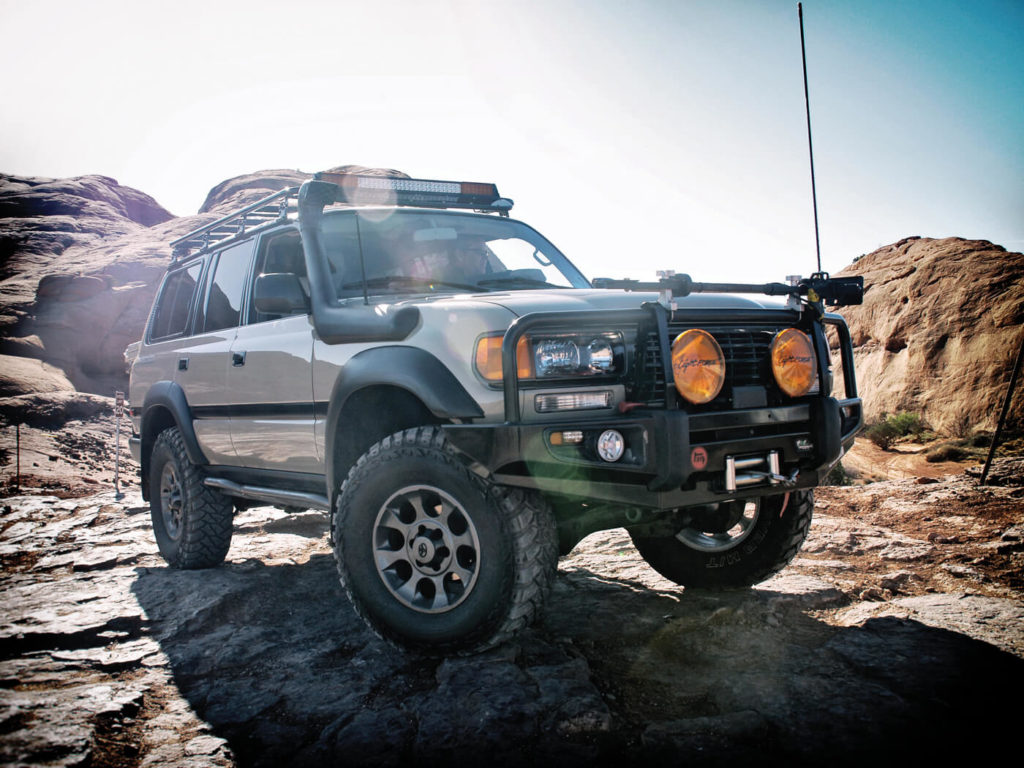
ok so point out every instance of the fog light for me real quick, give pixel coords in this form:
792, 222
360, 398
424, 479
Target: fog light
572, 401
610, 445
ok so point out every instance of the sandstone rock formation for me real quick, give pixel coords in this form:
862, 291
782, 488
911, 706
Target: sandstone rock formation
939, 329
80, 260
42, 218
79, 257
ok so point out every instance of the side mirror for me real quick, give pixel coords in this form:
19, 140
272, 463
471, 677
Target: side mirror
279, 293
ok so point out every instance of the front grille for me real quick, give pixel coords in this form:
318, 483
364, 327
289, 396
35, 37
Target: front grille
747, 363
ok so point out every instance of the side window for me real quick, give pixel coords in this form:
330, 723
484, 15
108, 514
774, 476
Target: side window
227, 288
170, 318
279, 253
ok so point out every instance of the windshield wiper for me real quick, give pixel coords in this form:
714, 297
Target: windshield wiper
516, 280
388, 281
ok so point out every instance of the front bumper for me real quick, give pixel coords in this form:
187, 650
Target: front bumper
674, 458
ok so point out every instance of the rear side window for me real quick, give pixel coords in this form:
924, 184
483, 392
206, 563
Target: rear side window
170, 318
224, 306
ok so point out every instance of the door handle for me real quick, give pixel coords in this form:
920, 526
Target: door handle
182, 363
238, 359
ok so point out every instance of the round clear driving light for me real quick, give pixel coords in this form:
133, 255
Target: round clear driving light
601, 355
610, 445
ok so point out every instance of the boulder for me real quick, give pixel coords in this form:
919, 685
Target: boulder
21, 375
52, 410
939, 330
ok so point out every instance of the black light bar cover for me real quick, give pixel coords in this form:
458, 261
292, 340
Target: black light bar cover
359, 189
833, 291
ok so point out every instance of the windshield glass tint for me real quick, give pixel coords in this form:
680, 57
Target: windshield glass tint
417, 251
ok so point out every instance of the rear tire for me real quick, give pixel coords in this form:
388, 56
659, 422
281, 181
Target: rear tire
435, 558
759, 546
192, 523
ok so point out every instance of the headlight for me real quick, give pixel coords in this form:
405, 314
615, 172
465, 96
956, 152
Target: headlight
793, 362
698, 366
554, 355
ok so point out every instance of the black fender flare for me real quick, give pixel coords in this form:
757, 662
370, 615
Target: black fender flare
409, 368
171, 396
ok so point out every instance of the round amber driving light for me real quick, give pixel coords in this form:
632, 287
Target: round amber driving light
698, 366
793, 362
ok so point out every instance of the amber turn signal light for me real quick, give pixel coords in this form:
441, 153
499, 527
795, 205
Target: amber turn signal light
488, 358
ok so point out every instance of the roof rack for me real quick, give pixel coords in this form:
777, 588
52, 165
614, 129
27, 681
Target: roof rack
259, 215
352, 189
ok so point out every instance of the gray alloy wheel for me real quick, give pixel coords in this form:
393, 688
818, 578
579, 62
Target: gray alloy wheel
172, 502
426, 549
192, 523
745, 546
722, 541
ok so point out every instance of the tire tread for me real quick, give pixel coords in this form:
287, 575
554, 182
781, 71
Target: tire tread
528, 520
206, 537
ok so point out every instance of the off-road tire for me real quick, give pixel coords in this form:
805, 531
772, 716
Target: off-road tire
515, 560
777, 535
198, 533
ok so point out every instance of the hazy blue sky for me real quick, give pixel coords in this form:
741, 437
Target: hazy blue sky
636, 135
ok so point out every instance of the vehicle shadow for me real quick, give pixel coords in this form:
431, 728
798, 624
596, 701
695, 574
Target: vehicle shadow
277, 662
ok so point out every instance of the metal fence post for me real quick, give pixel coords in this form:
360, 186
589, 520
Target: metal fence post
1005, 411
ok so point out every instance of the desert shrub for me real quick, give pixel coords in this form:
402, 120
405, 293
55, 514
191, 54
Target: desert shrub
962, 425
837, 476
980, 440
946, 452
883, 434
895, 426
907, 424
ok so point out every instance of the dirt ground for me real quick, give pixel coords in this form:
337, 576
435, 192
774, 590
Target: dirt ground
76, 460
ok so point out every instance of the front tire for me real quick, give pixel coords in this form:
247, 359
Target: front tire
435, 558
192, 523
757, 543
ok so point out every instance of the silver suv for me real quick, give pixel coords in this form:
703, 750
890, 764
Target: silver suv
467, 405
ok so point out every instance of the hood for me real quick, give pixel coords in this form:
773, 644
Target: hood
551, 300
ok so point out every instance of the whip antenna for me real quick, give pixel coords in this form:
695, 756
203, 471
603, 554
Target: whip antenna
810, 145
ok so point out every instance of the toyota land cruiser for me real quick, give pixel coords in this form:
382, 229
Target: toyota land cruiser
466, 405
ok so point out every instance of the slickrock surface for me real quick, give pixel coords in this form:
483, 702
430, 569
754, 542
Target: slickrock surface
898, 633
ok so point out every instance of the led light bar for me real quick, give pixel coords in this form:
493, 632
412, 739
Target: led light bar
357, 189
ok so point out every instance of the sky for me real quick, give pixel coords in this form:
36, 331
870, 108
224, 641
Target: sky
636, 135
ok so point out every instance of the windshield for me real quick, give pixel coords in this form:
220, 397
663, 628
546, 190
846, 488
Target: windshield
407, 251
